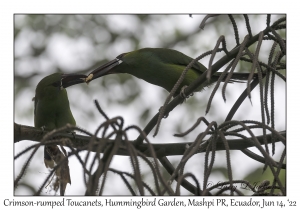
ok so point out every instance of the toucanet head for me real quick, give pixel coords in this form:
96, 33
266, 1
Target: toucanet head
60, 80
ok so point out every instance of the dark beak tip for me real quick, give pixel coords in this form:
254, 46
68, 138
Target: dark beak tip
72, 79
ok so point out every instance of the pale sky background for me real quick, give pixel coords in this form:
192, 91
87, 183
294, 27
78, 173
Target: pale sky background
81, 49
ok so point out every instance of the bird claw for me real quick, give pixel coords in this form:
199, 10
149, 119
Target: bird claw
165, 115
182, 93
43, 128
73, 134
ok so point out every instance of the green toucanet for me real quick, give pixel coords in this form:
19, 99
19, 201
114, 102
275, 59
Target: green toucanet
52, 109
158, 66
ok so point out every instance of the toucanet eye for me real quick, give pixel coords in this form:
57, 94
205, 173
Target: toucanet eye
56, 84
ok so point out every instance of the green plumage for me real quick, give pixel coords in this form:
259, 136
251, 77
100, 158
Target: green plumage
51, 109
159, 66
51, 104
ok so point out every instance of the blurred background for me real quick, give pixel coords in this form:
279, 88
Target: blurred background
45, 44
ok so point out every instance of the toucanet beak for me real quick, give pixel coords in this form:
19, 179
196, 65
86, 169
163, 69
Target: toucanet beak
104, 69
68, 80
